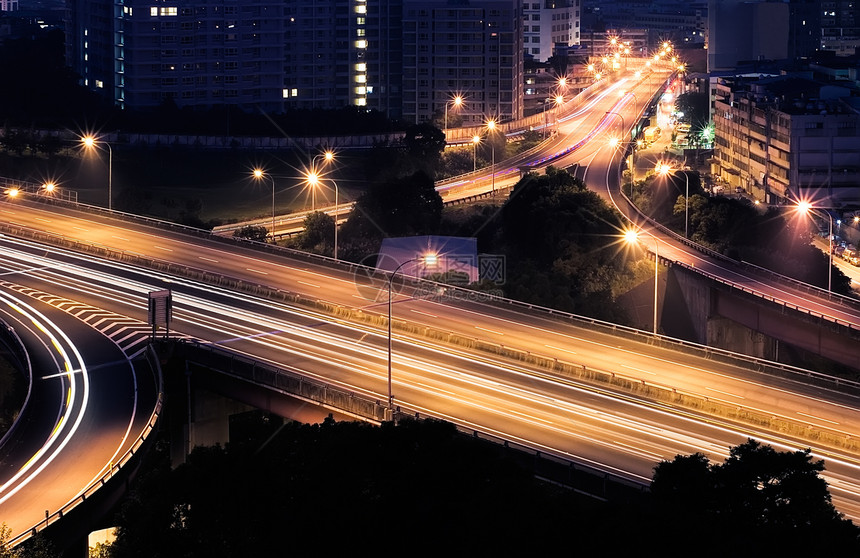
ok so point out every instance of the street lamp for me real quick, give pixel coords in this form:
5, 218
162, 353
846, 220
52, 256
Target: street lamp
259, 175
805, 207
475, 141
632, 237
456, 101
314, 179
663, 169
49, 187
427, 259
491, 127
90, 142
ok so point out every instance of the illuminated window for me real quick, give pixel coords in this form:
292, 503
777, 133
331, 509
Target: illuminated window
100, 84
153, 11
361, 67
361, 79
360, 90
361, 44
361, 9
361, 102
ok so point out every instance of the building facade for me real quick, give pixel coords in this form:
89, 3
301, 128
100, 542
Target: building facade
473, 49
784, 138
840, 26
548, 23
402, 57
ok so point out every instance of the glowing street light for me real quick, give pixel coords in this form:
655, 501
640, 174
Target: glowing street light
428, 260
632, 237
49, 187
475, 141
89, 142
664, 169
314, 180
806, 208
491, 127
456, 102
259, 174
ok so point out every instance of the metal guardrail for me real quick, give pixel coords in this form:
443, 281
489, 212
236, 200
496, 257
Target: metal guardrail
114, 468
774, 276
363, 406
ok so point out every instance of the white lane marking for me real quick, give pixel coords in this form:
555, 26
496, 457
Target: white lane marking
489, 330
256, 271
639, 369
553, 347
816, 418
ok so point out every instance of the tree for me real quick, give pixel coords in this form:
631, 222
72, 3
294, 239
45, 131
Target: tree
318, 234
758, 500
252, 232
395, 207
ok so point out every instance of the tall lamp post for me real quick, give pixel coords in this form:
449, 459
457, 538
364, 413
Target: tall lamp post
491, 127
314, 180
259, 174
428, 259
456, 101
92, 143
632, 237
475, 141
805, 207
664, 170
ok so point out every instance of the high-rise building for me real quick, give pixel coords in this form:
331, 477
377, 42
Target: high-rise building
473, 49
8, 5
741, 30
840, 26
402, 57
548, 23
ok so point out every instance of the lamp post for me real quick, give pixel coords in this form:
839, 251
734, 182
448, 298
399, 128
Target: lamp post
805, 207
428, 259
456, 101
259, 174
91, 143
475, 141
664, 170
491, 127
619, 116
314, 180
632, 237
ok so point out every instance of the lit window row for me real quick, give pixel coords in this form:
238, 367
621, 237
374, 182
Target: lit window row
163, 11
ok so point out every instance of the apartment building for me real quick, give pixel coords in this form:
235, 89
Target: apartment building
548, 23
405, 58
840, 26
785, 138
472, 49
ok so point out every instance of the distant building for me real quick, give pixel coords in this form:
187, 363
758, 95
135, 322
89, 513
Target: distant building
473, 49
548, 24
8, 5
840, 26
406, 58
785, 138
739, 30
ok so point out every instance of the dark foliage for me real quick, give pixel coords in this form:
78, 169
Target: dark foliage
758, 502
397, 207
561, 241
252, 232
344, 487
